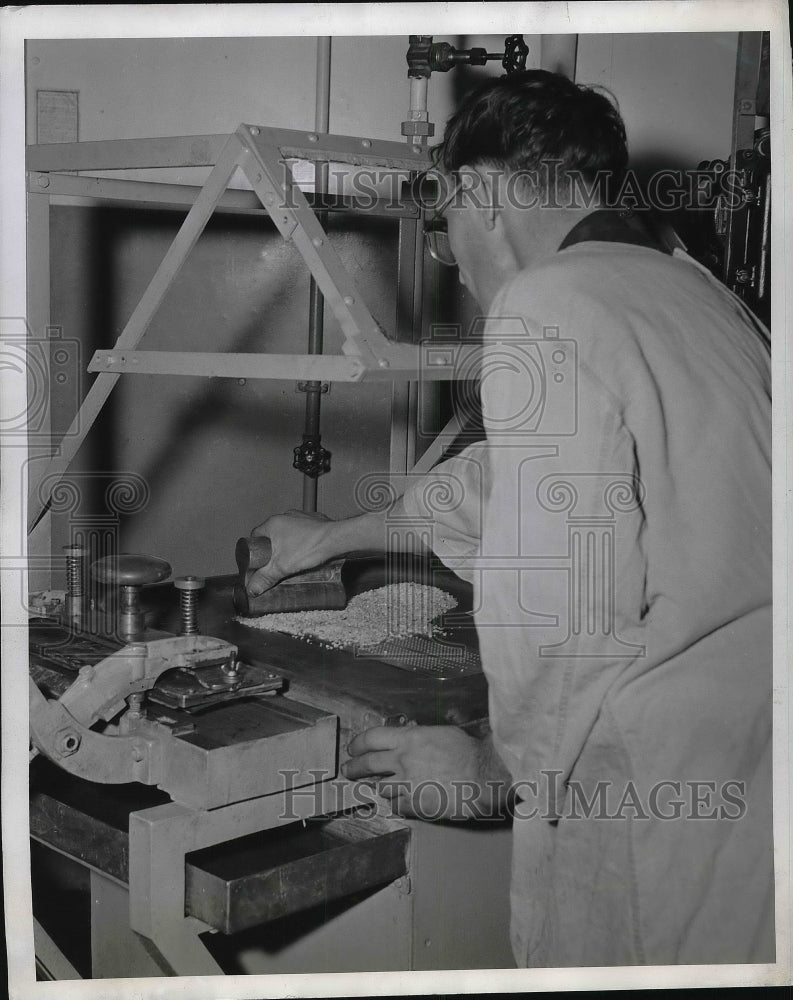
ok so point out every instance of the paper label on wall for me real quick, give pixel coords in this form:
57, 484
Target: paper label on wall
56, 116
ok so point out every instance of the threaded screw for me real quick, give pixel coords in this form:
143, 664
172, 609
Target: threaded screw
75, 555
188, 587
74, 569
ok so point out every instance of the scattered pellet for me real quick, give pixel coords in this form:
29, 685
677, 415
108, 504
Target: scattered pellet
392, 612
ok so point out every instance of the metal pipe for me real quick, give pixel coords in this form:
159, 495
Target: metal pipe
418, 93
419, 110
418, 127
558, 54
316, 310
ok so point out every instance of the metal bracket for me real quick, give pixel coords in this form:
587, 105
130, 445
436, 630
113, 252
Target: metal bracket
61, 729
324, 387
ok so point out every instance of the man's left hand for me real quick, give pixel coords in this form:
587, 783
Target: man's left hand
430, 772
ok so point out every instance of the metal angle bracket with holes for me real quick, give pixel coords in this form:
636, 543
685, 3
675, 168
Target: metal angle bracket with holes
262, 154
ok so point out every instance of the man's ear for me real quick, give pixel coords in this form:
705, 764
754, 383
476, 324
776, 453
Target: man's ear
482, 187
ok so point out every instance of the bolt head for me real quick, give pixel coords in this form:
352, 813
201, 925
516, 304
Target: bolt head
313, 137
348, 300
366, 143
68, 742
43, 181
189, 582
254, 130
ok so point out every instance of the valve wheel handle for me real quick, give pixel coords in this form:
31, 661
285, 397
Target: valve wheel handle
515, 53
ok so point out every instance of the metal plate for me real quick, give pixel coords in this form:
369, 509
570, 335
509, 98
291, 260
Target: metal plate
426, 655
209, 685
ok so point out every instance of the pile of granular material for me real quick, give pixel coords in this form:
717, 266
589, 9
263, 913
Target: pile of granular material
393, 612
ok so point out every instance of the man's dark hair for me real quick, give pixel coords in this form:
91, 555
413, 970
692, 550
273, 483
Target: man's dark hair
518, 122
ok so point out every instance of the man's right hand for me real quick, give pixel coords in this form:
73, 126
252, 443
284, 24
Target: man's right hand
302, 541
299, 542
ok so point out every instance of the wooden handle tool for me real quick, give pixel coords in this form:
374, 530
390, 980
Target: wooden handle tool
312, 590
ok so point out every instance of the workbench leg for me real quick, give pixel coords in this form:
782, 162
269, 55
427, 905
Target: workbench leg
50, 960
461, 877
117, 952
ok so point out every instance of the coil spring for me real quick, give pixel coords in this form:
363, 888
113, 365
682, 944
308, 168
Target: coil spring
74, 575
188, 607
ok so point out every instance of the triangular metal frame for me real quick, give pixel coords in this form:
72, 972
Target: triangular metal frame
262, 154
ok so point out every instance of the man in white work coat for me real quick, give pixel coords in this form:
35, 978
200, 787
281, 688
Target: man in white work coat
616, 525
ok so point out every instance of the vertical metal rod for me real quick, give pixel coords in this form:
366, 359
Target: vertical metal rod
38, 317
419, 87
418, 323
559, 54
743, 122
316, 310
419, 110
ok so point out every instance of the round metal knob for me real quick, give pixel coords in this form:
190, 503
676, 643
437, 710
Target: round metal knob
127, 570
130, 573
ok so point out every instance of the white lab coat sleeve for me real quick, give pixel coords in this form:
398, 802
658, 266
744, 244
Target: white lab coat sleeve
446, 506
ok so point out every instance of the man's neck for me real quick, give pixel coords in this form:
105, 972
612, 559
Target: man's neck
538, 232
